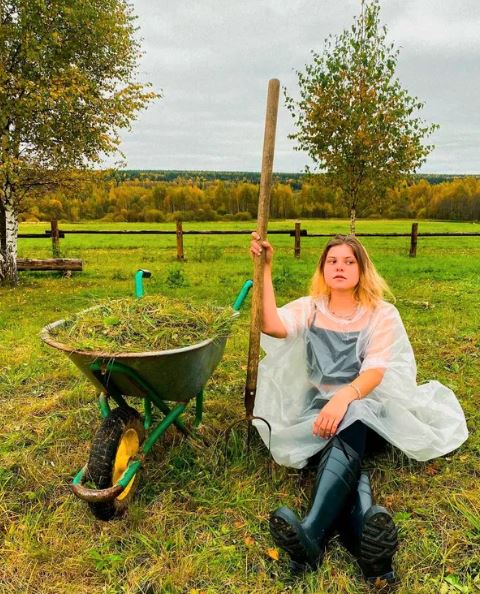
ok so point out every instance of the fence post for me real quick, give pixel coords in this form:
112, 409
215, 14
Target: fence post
413, 240
55, 239
180, 255
297, 240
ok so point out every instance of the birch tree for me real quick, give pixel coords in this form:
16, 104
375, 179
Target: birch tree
67, 87
354, 119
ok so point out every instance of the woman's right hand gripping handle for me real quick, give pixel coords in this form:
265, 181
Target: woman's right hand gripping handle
271, 322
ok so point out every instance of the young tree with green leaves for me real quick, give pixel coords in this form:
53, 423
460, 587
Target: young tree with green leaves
67, 86
353, 117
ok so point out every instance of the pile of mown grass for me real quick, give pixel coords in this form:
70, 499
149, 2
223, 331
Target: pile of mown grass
137, 325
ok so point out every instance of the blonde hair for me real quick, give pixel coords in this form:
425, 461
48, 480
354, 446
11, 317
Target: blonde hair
371, 287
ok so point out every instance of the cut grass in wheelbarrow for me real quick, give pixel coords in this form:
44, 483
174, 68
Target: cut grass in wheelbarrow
171, 375
137, 325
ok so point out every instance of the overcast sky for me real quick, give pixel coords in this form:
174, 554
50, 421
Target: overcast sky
212, 60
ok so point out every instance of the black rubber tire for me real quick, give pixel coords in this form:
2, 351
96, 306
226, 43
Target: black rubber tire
102, 458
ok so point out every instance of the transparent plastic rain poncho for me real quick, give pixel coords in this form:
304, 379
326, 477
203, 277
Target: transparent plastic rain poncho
423, 421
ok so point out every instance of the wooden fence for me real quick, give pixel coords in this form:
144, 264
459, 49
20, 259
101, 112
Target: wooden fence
55, 234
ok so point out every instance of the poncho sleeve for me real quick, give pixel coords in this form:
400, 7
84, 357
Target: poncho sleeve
423, 421
387, 345
295, 315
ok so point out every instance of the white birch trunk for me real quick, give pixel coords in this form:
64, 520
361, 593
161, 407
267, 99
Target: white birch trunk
352, 221
8, 255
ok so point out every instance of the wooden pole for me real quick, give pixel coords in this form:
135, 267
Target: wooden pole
297, 240
180, 255
413, 240
259, 262
55, 239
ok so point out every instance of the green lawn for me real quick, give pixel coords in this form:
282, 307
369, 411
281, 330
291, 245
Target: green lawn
199, 522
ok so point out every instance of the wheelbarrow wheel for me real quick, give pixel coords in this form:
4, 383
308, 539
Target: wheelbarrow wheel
117, 441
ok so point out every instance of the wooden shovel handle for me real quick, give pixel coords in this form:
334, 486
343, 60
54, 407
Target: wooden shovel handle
259, 262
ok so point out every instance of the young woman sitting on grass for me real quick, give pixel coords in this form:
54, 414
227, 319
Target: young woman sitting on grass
339, 369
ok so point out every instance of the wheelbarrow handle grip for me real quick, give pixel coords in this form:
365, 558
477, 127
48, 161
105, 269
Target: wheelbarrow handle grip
242, 295
103, 495
97, 495
139, 276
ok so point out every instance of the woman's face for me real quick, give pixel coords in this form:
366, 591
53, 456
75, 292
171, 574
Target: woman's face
341, 270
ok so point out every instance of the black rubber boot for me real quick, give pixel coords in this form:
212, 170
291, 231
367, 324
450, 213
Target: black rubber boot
337, 477
368, 532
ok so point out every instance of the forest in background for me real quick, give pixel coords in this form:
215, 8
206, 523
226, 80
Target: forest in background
158, 196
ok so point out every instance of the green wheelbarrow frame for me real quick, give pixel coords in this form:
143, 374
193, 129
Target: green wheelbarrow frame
155, 377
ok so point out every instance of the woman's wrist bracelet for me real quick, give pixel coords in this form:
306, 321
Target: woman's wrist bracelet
357, 390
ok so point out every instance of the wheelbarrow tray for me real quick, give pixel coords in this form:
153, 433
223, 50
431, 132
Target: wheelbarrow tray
176, 375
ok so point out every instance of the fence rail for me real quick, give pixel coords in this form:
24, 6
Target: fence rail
54, 233
48, 232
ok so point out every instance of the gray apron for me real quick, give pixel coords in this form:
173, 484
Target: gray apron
331, 360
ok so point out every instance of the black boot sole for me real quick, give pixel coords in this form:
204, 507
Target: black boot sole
378, 544
288, 535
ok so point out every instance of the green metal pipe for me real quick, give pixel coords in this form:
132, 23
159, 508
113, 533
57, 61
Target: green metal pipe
115, 366
162, 427
103, 405
79, 476
166, 411
129, 473
126, 477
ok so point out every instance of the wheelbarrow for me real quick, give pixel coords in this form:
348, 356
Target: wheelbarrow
121, 444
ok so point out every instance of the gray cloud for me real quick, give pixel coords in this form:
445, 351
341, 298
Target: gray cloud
212, 59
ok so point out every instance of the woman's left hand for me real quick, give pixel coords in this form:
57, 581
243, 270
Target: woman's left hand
331, 415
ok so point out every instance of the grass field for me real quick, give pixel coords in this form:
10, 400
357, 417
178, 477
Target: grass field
199, 522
